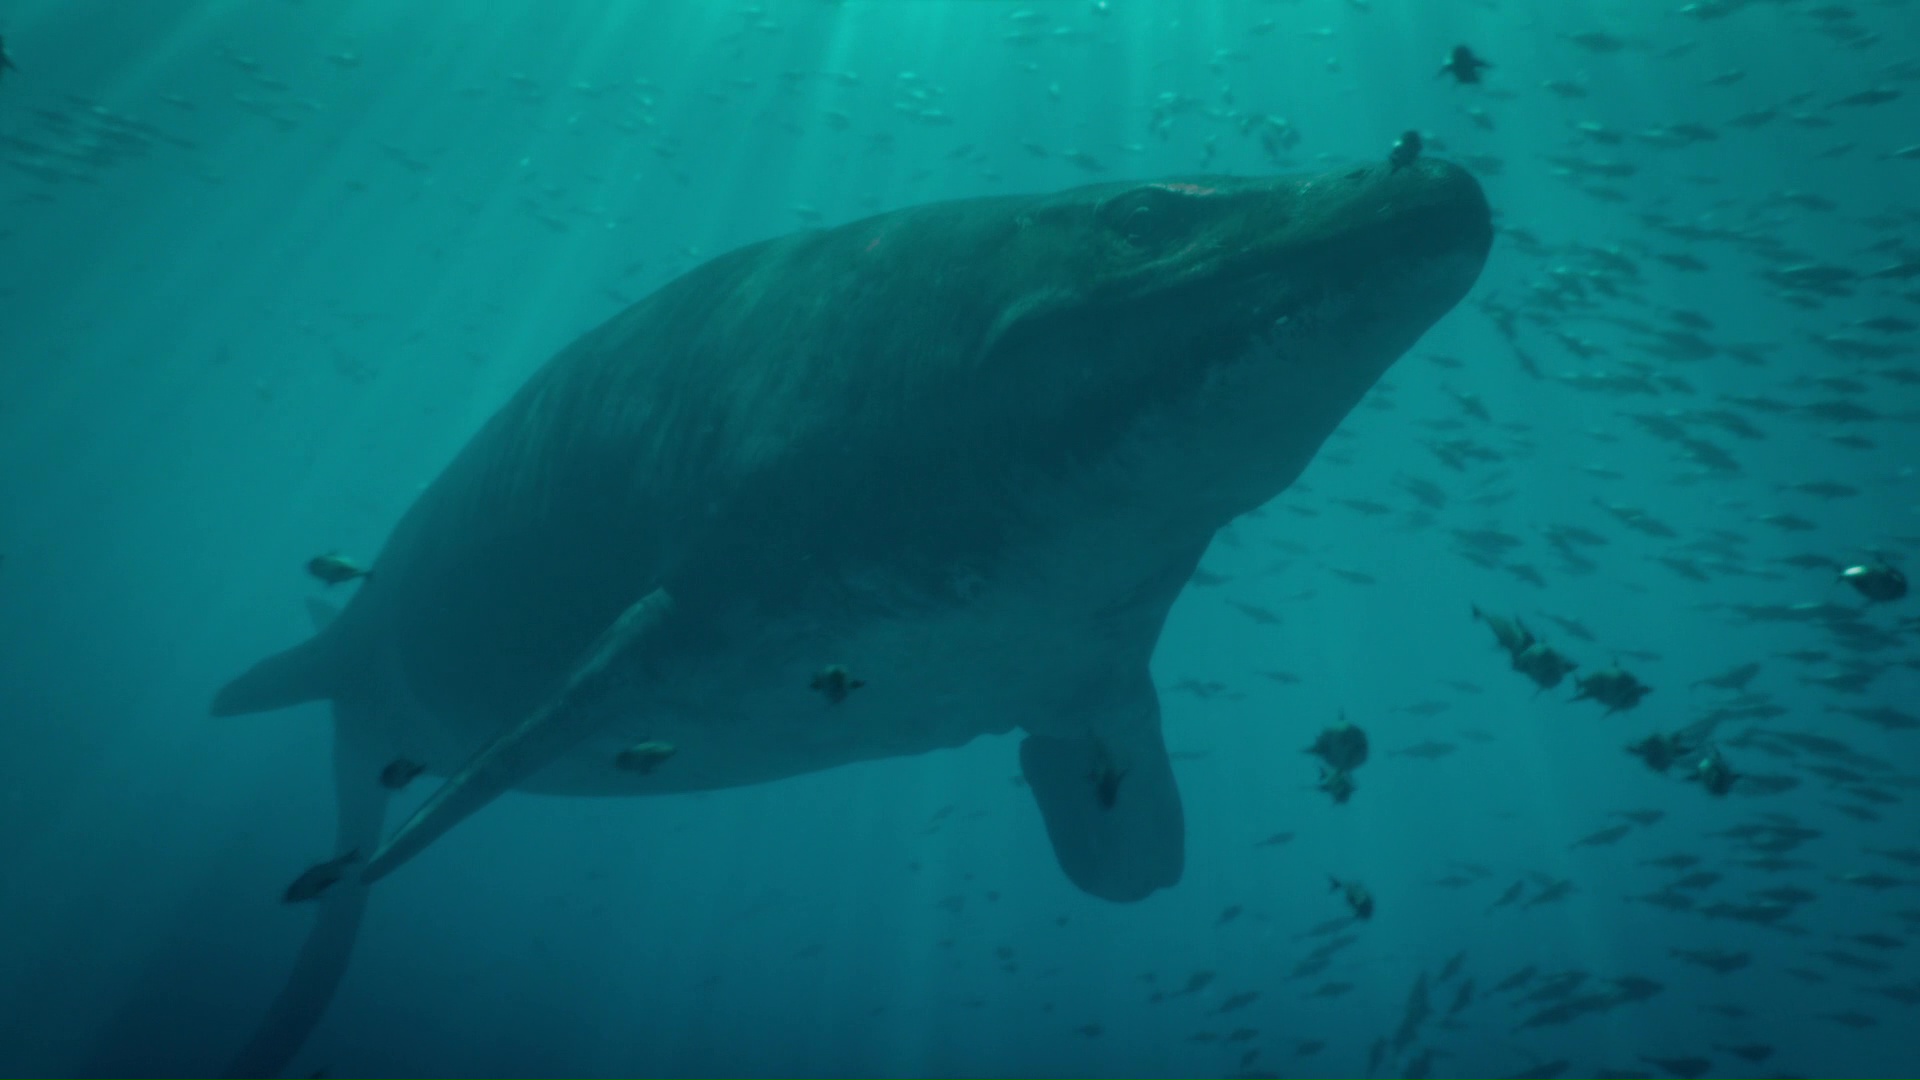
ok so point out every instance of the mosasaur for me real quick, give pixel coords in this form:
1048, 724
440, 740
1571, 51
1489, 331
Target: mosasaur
966, 454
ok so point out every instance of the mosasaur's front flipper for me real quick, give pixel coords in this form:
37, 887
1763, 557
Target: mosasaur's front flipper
1109, 800
547, 732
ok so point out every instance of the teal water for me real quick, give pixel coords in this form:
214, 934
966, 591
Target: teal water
265, 266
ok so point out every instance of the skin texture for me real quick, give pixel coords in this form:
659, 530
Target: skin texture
971, 451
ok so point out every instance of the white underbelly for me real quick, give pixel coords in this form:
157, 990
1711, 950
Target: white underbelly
1016, 653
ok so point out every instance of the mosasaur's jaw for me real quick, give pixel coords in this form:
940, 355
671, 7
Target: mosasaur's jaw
1232, 324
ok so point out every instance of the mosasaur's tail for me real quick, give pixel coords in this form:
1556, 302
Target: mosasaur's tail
314, 671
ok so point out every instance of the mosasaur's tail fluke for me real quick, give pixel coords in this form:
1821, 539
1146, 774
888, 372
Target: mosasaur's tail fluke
323, 957
310, 672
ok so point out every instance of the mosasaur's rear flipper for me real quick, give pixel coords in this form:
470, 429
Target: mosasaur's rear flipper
1110, 803
547, 732
301, 674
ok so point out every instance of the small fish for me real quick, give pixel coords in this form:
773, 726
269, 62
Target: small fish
1877, 96
1908, 856
1720, 961
1613, 687
399, 773
1196, 982
644, 757
1551, 892
1875, 881
1461, 999
1731, 679
1510, 634
1551, 1070
1598, 41
1754, 1053
1358, 898
1823, 489
1238, 1001
1687, 1068
1889, 324
1343, 746
1639, 520
319, 878
1463, 65
1263, 616
1367, 507
1516, 980
335, 569
1405, 151
1574, 627
1106, 777
1337, 783
835, 683
1877, 581
1669, 899
1544, 664
1604, 837
1713, 773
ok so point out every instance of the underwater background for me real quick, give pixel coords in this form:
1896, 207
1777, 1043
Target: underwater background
266, 265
